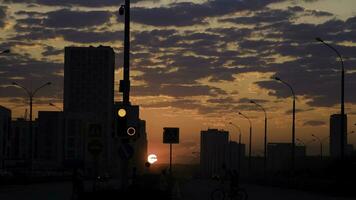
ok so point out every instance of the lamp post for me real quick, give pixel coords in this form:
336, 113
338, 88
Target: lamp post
293, 123
342, 106
265, 139
239, 142
237, 127
31, 95
250, 140
321, 146
125, 84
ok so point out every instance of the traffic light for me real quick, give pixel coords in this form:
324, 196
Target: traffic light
121, 121
127, 121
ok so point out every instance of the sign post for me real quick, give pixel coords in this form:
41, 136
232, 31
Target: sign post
170, 136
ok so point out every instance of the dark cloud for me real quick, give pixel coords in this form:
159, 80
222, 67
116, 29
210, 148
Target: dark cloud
84, 3
73, 35
317, 13
51, 51
265, 16
187, 14
172, 60
177, 90
314, 123
297, 110
2, 15
30, 73
227, 100
246, 100
66, 18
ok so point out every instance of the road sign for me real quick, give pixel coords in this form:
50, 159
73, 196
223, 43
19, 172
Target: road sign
170, 135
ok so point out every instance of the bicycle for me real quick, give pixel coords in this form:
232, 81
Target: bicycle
229, 194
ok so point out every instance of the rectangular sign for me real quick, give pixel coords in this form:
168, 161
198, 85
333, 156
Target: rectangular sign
170, 135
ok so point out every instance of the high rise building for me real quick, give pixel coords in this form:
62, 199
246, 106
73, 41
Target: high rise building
88, 105
5, 128
335, 135
214, 146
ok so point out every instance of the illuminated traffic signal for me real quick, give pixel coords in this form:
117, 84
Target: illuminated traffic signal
127, 121
121, 121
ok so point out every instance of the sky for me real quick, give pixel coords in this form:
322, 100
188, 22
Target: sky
195, 64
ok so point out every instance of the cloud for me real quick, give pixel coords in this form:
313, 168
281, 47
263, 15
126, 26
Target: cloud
66, 18
2, 15
187, 14
34, 73
172, 58
83, 3
177, 90
314, 123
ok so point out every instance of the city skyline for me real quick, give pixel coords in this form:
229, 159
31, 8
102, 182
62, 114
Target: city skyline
195, 68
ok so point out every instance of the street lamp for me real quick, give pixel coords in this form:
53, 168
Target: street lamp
239, 150
293, 121
342, 107
265, 139
31, 95
5, 51
250, 140
237, 127
321, 146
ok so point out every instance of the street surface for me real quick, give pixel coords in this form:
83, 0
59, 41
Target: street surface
191, 190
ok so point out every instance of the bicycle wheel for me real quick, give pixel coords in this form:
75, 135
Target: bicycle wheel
218, 194
241, 194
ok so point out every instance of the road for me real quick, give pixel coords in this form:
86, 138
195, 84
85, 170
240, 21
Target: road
191, 190
199, 189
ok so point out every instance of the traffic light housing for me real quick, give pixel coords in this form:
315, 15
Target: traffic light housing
121, 121
127, 121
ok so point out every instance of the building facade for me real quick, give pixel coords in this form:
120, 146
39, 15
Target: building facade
88, 102
335, 135
5, 132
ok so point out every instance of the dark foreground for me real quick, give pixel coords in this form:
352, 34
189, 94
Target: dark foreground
189, 190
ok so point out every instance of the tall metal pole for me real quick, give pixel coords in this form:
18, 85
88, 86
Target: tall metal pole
170, 159
126, 92
238, 140
31, 95
250, 149
31, 133
342, 106
250, 142
321, 146
239, 158
293, 124
265, 139
293, 135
